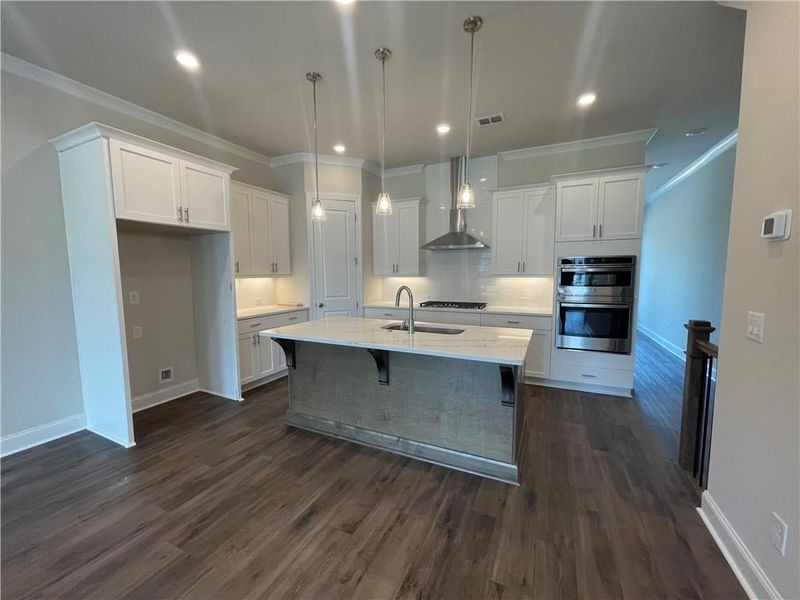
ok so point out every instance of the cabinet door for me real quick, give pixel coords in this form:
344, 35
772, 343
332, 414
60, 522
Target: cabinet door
279, 235
407, 218
507, 233
265, 363
540, 216
384, 228
260, 234
576, 210
620, 207
146, 184
537, 360
240, 230
247, 357
205, 195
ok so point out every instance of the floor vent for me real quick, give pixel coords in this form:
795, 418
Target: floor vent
490, 120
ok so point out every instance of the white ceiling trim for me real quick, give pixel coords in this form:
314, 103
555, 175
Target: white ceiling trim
324, 159
641, 135
409, 170
710, 154
21, 68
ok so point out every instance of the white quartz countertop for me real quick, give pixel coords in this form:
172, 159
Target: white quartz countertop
491, 309
270, 309
501, 345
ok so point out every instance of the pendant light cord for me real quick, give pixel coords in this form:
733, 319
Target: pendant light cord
383, 127
469, 112
316, 151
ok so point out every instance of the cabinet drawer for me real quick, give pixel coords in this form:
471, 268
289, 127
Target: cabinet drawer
517, 321
289, 318
592, 375
386, 313
253, 324
455, 318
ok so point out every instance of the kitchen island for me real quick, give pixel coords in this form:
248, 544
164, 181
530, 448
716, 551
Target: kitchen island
449, 395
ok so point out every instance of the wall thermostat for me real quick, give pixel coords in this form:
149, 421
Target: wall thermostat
777, 226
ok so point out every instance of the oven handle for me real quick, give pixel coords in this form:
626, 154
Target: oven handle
579, 269
595, 305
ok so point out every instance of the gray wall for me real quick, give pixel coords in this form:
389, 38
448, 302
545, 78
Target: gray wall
755, 451
40, 375
684, 244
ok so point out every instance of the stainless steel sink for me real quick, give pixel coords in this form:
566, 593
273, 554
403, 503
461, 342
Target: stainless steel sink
420, 328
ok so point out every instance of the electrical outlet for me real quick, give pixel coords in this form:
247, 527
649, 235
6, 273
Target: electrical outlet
165, 375
133, 297
778, 532
755, 326
138, 332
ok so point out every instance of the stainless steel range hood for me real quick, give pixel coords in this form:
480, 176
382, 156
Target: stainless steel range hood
457, 238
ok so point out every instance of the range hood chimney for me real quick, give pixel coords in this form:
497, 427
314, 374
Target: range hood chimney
457, 238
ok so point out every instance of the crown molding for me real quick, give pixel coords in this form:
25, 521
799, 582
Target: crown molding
400, 171
21, 68
705, 158
324, 159
641, 135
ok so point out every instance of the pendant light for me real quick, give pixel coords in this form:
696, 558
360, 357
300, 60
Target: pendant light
466, 195
317, 210
384, 204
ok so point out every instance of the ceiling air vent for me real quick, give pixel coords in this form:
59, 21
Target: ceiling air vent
490, 120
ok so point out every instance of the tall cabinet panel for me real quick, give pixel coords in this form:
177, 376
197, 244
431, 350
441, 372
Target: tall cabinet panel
621, 206
507, 234
279, 235
407, 238
205, 192
240, 229
576, 211
395, 239
261, 231
522, 239
540, 209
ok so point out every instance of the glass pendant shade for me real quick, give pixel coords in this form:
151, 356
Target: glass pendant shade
318, 211
384, 204
466, 197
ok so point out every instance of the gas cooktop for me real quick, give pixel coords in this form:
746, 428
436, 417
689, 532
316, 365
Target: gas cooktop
443, 304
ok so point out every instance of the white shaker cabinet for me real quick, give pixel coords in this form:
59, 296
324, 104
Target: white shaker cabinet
146, 184
158, 187
395, 239
260, 227
606, 206
247, 357
522, 236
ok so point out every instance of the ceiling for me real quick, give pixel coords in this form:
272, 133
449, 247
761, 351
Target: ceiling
671, 65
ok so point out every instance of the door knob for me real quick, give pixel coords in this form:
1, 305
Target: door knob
320, 305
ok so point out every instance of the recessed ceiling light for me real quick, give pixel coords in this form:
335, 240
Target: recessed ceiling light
339, 148
660, 165
696, 131
442, 128
187, 60
344, 1
586, 99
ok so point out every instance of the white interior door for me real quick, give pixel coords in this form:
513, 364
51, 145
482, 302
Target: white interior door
335, 270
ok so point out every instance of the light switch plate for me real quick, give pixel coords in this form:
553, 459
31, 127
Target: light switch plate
137, 332
133, 297
755, 326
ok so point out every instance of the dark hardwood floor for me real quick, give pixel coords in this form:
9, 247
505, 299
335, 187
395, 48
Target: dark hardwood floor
221, 500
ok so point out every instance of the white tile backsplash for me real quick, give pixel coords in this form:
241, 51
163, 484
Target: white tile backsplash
255, 291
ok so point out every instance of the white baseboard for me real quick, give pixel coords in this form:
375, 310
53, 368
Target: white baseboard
111, 437
754, 580
165, 394
17, 442
268, 379
663, 342
580, 387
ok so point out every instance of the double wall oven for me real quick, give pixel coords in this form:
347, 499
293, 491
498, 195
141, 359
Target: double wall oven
595, 303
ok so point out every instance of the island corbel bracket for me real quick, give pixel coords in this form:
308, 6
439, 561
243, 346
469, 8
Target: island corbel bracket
382, 362
508, 385
288, 350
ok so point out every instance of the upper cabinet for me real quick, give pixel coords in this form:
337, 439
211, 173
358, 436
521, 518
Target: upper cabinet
395, 239
260, 227
605, 206
522, 232
158, 186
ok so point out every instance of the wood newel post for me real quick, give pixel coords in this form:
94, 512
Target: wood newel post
693, 381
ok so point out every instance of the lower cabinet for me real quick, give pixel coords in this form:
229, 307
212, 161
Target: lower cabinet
259, 356
537, 361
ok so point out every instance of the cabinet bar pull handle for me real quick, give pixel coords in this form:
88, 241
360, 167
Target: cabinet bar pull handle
513, 322
255, 325
600, 230
237, 266
293, 318
180, 213
523, 266
186, 212
588, 376
254, 339
594, 230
